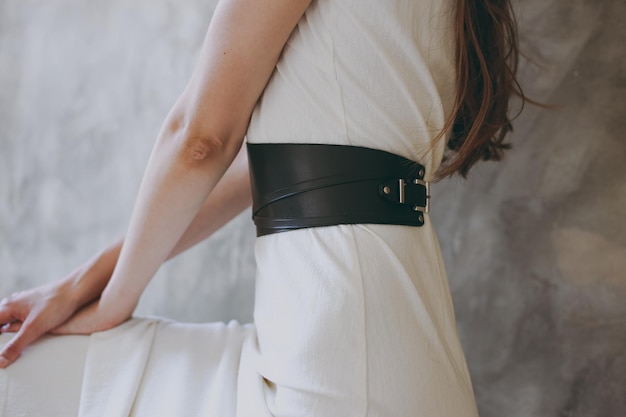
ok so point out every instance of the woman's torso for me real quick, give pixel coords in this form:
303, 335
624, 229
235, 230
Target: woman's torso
355, 320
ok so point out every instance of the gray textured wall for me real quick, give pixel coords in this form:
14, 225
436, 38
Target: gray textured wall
535, 246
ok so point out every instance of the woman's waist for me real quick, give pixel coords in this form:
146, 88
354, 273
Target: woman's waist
312, 185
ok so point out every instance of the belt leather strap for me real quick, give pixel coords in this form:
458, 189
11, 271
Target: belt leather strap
297, 186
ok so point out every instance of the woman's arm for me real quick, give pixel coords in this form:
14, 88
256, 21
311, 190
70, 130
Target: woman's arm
199, 140
229, 198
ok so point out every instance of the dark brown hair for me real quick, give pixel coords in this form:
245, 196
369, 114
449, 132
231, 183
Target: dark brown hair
486, 63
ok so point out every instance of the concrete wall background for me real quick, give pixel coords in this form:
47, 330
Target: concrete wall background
535, 246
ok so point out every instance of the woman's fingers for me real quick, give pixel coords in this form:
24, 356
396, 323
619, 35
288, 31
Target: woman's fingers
31, 314
7, 320
8, 312
6, 316
27, 333
11, 327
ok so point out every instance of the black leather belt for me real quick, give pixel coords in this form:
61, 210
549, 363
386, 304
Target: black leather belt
296, 186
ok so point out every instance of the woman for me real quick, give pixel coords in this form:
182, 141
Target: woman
352, 318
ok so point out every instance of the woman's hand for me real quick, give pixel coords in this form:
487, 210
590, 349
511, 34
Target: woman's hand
32, 313
37, 311
48, 309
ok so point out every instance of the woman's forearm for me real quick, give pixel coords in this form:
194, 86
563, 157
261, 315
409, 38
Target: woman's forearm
229, 198
86, 283
185, 166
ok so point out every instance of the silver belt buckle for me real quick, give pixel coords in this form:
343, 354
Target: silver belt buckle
417, 181
426, 184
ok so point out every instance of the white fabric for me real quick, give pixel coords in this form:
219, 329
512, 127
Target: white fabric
349, 320
46, 380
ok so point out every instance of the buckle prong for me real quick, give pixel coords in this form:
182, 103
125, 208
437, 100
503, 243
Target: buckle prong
426, 184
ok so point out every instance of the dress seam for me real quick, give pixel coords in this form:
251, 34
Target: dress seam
358, 258
341, 99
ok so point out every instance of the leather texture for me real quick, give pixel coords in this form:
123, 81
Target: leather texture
296, 186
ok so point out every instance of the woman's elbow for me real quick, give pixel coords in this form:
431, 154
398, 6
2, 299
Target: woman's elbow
198, 146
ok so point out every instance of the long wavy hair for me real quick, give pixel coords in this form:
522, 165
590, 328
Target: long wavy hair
486, 65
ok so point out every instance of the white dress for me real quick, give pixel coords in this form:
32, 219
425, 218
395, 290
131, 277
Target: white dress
349, 320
